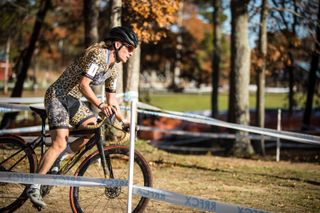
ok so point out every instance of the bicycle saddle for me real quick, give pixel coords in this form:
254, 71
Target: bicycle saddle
40, 111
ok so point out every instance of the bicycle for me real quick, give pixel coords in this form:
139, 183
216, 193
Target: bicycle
108, 161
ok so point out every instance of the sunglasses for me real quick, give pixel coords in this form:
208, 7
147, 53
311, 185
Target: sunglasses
129, 47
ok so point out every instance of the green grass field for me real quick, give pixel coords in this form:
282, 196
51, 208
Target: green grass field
195, 102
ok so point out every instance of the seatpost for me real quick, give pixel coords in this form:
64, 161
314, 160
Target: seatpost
43, 125
43, 133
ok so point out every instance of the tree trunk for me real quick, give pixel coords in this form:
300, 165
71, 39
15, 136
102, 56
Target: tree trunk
312, 76
132, 80
25, 59
290, 70
133, 71
91, 15
240, 76
216, 58
260, 104
6, 71
176, 71
115, 22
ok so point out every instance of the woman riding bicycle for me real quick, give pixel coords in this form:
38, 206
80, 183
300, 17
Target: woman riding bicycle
62, 99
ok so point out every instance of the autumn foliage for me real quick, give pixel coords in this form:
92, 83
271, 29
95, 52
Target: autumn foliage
150, 19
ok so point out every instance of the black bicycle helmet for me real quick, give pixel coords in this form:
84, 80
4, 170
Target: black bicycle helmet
124, 34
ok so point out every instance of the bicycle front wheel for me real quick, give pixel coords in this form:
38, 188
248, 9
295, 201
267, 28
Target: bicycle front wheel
110, 199
15, 156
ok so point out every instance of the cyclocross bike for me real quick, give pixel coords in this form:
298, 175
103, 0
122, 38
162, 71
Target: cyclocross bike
107, 161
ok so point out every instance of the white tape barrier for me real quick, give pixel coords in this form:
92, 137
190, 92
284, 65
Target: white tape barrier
193, 202
21, 130
11, 104
16, 107
21, 100
12, 108
31, 100
198, 134
151, 193
58, 180
129, 96
303, 138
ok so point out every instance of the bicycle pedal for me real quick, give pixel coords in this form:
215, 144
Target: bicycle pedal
45, 190
39, 208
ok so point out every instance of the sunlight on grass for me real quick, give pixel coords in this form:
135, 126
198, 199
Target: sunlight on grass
195, 102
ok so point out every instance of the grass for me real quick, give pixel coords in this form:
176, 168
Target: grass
268, 185
195, 102
283, 187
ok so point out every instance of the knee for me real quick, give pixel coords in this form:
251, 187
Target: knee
59, 145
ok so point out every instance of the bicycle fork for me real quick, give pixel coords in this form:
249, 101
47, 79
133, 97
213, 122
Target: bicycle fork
105, 160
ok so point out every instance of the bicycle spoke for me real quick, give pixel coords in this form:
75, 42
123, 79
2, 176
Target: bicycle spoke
112, 198
15, 157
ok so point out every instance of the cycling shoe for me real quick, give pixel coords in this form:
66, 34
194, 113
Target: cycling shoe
36, 198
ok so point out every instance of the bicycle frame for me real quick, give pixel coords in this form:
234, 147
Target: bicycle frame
113, 160
96, 139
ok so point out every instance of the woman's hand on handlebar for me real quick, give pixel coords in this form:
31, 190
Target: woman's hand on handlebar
108, 110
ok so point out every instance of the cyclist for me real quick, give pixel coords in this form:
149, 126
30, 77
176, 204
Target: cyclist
62, 99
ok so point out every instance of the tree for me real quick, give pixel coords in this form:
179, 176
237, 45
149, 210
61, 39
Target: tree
216, 58
115, 21
25, 59
262, 48
149, 20
133, 70
215, 46
239, 76
314, 67
287, 11
91, 17
91, 14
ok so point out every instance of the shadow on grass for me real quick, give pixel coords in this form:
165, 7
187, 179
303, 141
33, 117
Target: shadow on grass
161, 162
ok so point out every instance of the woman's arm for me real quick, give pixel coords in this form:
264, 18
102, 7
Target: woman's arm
112, 101
87, 92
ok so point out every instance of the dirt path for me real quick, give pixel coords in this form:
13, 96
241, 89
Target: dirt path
278, 187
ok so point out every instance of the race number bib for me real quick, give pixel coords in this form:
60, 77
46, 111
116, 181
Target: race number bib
93, 69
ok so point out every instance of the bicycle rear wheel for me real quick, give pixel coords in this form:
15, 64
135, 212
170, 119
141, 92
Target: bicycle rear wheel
15, 156
110, 199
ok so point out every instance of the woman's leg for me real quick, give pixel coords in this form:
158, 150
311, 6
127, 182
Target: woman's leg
80, 142
59, 143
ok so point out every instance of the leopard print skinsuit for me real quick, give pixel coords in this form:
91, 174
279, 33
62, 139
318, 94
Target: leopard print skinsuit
62, 98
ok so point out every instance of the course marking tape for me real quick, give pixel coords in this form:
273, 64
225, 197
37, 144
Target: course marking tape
22, 100
263, 131
148, 192
191, 201
21, 130
58, 180
12, 107
199, 134
31, 100
12, 104
298, 137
